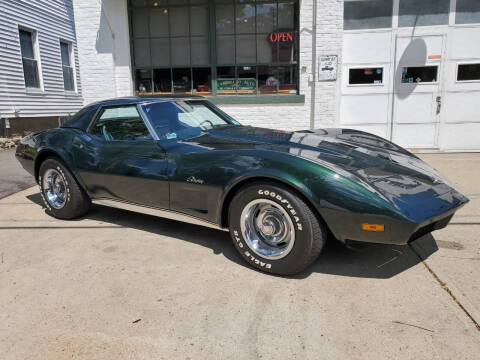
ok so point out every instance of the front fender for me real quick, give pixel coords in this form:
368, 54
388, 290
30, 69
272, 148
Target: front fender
267, 175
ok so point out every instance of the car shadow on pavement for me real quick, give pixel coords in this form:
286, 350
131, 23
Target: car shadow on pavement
355, 259
366, 260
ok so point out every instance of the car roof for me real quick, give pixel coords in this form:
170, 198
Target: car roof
143, 99
82, 118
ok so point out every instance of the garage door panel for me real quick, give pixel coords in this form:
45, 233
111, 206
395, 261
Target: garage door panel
462, 107
415, 135
416, 108
417, 50
367, 47
460, 136
364, 109
463, 43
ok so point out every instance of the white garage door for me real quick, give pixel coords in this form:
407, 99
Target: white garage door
411, 72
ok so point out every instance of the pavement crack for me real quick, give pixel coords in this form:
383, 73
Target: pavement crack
445, 287
407, 324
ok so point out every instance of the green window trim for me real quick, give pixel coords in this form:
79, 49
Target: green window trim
256, 99
260, 70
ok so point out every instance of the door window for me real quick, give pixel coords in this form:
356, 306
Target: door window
468, 72
366, 76
120, 123
419, 74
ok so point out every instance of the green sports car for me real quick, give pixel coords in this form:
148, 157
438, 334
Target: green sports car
278, 193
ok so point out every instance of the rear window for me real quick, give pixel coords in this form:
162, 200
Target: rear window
82, 118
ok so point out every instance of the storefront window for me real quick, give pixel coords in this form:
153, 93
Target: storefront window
215, 47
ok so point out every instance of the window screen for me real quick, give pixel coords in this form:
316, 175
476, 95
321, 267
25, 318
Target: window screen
419, 74
365, 76
423, 13
468, 12
468, 72
120, 123
367, 14
68, 83
30, 66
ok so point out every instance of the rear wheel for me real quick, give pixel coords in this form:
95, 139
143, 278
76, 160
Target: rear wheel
274, 230
61, 194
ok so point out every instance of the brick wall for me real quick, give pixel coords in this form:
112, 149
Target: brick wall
329, 42
103, 48
102, 33
278, 116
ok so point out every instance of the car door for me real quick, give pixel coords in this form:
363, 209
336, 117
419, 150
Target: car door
195, 181
121, 160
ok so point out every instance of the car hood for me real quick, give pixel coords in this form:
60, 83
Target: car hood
398, 175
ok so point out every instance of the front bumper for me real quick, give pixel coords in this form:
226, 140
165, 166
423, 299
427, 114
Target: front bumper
430, 216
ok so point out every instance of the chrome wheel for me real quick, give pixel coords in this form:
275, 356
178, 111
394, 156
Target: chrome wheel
267, 229
54, 188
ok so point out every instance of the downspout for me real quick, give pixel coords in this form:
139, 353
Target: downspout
314, 65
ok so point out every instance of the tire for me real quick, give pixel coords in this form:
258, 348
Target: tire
272, 204
73, 203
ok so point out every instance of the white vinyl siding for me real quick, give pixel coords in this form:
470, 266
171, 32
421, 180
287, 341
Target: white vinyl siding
52, 21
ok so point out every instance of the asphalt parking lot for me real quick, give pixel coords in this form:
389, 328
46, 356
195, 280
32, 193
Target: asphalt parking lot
119, 285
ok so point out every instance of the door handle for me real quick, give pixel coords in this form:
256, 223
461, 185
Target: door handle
439, 104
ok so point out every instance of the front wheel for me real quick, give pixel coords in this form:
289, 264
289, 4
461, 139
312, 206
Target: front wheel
61, 194
274, 230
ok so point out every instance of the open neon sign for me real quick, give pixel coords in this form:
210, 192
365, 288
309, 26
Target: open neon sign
280, 37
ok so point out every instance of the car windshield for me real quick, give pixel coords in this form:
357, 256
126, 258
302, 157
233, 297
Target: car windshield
185, 118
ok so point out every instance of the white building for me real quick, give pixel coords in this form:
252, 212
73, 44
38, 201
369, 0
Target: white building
39, 78
408, 70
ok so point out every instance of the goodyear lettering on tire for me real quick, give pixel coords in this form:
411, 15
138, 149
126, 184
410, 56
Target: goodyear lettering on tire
286, 203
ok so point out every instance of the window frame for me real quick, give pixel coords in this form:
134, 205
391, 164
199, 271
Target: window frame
71, 60
476, 62
141, 114
36, 53
423, 83
383, 83
375, 29
211, 36
462, 24
446, 14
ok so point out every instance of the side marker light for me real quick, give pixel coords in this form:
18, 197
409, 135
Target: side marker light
373, 227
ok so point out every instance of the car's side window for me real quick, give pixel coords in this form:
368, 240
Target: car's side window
170, 123
120, 123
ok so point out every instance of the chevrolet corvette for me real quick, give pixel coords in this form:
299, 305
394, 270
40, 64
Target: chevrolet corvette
280, 194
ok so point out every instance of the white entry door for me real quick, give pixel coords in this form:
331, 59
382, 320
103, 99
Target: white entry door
417, 92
